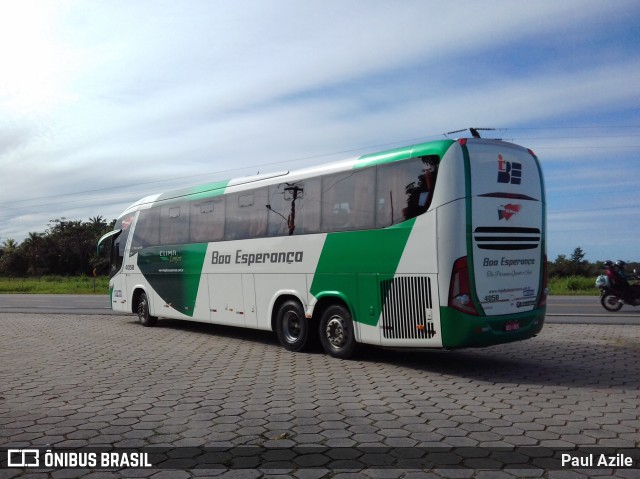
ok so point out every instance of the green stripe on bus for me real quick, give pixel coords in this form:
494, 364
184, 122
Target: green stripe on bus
356, 257
174, 273
459, 330
208, 190
469, 227
423, 149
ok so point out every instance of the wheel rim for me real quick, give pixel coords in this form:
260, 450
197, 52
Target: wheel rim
611, 302
336, 332
291, 327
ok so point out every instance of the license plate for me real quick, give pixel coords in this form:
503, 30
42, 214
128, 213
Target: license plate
511, 326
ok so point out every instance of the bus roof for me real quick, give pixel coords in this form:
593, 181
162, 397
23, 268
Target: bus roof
216, 188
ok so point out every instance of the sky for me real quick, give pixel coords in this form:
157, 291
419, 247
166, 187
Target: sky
104, 102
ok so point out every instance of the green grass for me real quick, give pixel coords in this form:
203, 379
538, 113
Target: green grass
55, 285
573, 285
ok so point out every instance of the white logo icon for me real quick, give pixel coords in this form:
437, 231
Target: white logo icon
23, 457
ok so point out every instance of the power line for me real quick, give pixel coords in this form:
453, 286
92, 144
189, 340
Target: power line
218, 172
592, 193
351, 150
575, 147
607, 208
323, 155
578, 137
612, 127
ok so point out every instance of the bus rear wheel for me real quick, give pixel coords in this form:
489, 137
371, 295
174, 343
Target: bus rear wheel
143, 311
337, 333
292, 326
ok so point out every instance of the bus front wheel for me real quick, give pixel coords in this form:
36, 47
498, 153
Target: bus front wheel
336, 332
292, 326
143, 311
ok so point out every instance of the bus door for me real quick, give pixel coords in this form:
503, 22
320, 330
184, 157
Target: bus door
110, 243
117, 283
118, 258
507, 226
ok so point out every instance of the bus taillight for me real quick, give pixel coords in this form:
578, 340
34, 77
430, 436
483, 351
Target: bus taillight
460, 288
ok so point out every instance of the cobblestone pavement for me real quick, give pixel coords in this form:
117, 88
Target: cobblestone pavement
94, 381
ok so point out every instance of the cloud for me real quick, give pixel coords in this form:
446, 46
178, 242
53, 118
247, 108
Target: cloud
128, 98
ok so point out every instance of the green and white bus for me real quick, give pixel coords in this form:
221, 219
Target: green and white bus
434, 245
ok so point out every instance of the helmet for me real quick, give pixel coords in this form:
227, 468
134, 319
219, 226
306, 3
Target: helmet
608, 264
620, 264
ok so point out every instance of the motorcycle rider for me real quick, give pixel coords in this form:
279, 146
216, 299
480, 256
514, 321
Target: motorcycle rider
619, 280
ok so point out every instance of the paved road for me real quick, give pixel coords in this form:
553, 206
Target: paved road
560, 309
77, 381
55, 303
586, 306
587, 310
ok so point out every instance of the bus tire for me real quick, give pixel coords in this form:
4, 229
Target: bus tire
336, 332
143, 311
292, 326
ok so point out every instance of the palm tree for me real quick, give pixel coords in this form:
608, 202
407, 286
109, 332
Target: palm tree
33, 246
11, 263
9, 245
98, 221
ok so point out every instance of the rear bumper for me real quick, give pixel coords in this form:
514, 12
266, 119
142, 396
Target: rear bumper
460, 330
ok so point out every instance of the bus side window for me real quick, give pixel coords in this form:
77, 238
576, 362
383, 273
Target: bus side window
311, 206
294, 208
174, 224
147, 230
206, 220
405, 189
420, 193
246, 215
278, 210
348, 200
363, 198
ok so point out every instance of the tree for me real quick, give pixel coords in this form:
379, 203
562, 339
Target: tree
578, 265
9, 245
575, 265
577, 256
32, 246
13, 262
560, 267
67, 247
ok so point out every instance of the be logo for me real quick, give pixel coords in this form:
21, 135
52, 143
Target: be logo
509, 171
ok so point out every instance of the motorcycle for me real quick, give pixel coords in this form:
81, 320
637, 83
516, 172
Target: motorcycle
613, 297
